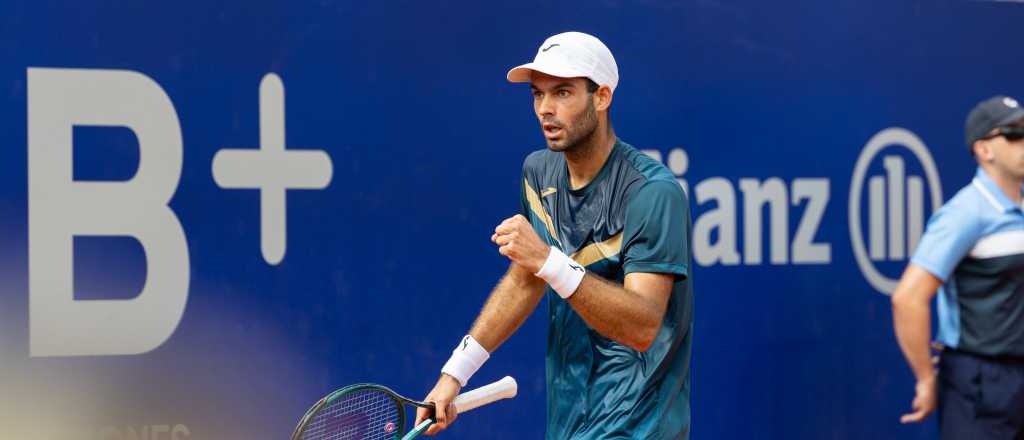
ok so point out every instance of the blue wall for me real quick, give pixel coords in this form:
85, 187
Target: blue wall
386, 267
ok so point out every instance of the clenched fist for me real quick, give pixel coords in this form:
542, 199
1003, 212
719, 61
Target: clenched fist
517, 240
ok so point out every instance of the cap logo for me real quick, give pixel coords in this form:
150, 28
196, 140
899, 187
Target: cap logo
549, 47
1010, 102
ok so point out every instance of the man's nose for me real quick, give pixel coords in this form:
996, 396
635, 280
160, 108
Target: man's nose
545, 107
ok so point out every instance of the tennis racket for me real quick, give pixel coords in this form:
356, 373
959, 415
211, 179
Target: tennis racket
370, 412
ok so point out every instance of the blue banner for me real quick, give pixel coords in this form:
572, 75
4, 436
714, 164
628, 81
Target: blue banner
216, 212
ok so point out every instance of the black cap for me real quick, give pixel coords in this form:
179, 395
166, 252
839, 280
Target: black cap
990, 114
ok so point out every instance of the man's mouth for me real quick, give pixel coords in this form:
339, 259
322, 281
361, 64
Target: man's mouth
552, 131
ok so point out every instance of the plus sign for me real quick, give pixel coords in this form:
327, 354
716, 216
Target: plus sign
272, 169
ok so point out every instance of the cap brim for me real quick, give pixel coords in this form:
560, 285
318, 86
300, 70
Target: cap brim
524, 73
1017, 115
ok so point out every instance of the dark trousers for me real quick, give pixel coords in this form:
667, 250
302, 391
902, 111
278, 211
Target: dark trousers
980, 398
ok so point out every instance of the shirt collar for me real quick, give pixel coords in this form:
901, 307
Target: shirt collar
993, 193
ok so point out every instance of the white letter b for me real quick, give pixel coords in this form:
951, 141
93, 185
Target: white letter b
61, 208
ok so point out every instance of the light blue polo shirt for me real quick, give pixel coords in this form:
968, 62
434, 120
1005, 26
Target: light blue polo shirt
975, 244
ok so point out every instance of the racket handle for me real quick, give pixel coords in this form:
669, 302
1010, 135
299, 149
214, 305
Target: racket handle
419, 429
505, 388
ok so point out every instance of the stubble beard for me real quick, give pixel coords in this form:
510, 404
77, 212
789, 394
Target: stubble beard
579, 134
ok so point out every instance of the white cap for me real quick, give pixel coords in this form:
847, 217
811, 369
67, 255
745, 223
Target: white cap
571, 55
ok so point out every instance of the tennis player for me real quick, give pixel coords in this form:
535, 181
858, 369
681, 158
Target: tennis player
604, 234
972, 255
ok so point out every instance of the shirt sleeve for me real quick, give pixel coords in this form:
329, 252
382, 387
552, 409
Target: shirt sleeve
949, 236
656, 235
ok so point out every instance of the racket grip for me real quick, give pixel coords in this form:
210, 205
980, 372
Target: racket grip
505, 388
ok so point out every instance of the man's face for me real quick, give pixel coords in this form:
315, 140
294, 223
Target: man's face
565, 110
1006, 155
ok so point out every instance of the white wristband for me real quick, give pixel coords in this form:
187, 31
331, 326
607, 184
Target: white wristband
561, 273
467, 357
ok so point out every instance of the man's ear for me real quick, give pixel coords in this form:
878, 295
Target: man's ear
981, 151
602, 98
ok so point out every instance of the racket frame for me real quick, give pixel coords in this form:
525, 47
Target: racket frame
337, 394
502, 389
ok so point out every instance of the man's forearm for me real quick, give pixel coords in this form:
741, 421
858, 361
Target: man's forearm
912, 320
911, 314
619, 313
510, 303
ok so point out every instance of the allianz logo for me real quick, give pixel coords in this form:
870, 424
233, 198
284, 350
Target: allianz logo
886, 231
896, 204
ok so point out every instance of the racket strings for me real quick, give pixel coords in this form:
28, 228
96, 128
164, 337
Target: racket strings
360, 415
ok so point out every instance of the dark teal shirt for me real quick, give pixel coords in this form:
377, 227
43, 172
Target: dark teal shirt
633, 217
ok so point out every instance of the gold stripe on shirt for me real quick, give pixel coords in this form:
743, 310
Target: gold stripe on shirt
538, 209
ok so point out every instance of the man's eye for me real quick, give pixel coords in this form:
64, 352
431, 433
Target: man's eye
563, 93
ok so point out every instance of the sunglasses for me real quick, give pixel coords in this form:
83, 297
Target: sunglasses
1012, 134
